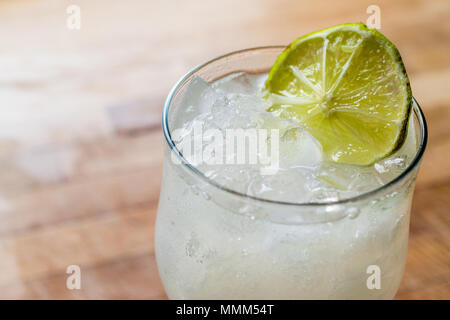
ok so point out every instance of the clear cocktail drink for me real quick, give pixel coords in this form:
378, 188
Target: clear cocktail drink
290, 227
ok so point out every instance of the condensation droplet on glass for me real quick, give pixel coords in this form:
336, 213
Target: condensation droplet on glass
353, 212
194, 189
244, 209
205, 195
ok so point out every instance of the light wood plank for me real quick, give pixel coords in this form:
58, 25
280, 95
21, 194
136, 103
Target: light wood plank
86, 242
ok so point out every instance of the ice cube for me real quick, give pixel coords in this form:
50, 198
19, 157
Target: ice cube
238, 83
191, 103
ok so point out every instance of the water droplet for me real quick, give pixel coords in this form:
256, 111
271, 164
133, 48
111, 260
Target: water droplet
392, 195
194, 189
205, 195
244, 209
353, 212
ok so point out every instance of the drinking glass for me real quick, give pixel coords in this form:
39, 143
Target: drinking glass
215, 243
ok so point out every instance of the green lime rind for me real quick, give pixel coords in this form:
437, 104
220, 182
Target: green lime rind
387, 59
402, 70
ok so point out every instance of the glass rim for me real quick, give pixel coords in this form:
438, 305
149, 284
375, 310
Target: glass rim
165, 126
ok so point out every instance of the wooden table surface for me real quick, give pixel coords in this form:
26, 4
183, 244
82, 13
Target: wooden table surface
81, 142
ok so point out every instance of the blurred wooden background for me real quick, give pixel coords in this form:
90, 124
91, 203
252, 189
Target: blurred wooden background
80, 138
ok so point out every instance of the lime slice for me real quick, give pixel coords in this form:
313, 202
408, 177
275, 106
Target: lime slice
348, 87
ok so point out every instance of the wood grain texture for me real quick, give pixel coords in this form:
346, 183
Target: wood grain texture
81, 145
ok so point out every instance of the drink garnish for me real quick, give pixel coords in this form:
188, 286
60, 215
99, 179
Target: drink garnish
348, 87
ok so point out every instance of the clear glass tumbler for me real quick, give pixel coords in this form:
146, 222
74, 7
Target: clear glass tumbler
215, 243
